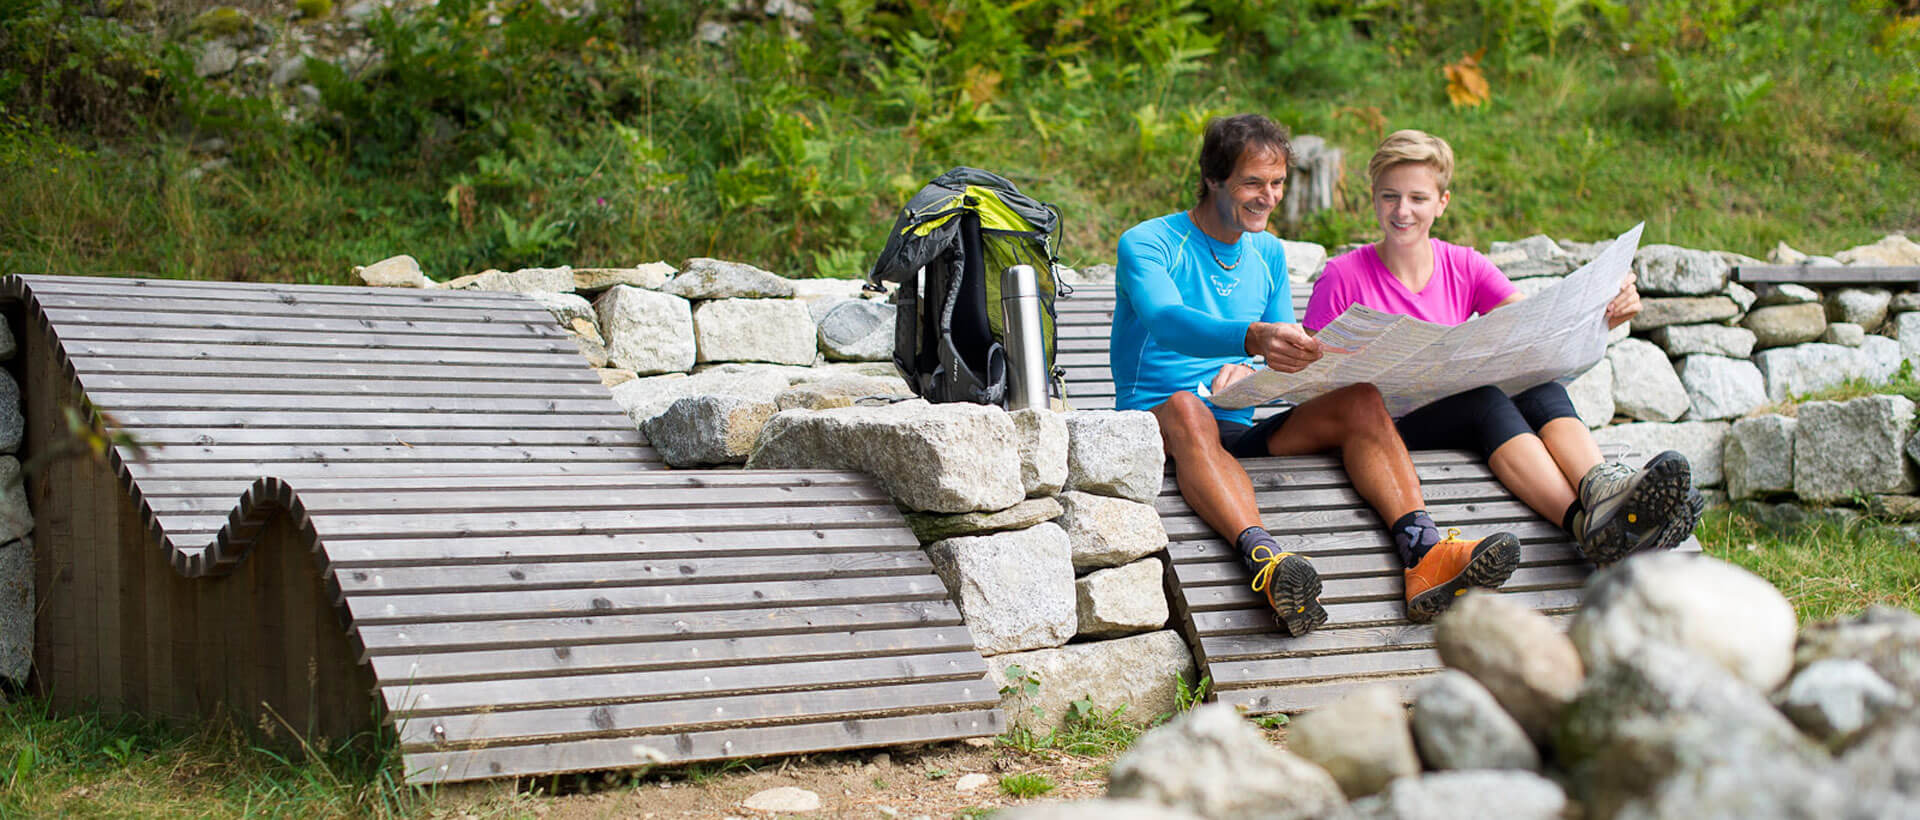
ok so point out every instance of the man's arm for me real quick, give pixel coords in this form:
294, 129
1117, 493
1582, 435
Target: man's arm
1149, 289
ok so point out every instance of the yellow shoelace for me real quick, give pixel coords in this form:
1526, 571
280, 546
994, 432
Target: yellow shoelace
1267, 562
1453, 534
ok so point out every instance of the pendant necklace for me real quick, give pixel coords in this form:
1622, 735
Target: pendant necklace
1216, 256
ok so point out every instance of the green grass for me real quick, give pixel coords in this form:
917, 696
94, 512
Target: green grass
1827, 568
1026, 784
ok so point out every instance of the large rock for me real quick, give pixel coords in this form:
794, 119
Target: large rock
1906, 329
1214, 763
1683, 310
829, 292
1711, 609
1802, 369
1138, 672
1115, 452
1841, 449
1363, 739
525, 280
401, 271
954, 457
700, 431
1107, 531
1784, 293
646, 332
841, 390
1644, 385
754, 330
1519, 655
1508, 795
1669, 269
644, 398
1041, 436
8, 344
1759, 456
1886, 759
1719, 340
1893, 250
1702, 442
1592, 394
1713, 772
569, 309
1833, 699
1783, 325
1457, 724
1866, 307
1846, 334
1719, 387
1534, 256
705, 278
857, 330
594, 280
1015, 589
1304, 261
1121, 600
16, 518
16, 609
13, 423
931, 527
1882, 637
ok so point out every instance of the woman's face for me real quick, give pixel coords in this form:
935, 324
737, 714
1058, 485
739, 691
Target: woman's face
1407, 199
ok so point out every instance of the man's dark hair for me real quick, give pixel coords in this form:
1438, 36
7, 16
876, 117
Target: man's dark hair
1228, 138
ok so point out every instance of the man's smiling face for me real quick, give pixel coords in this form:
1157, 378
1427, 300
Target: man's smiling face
1245, 199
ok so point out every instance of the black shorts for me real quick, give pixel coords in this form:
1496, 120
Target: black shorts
1250, 441
1483, 418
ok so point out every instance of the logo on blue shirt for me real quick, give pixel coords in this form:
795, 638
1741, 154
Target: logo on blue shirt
1224, 287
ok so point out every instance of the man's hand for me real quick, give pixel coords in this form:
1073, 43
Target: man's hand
1625, 304
1286, 347
1228, 375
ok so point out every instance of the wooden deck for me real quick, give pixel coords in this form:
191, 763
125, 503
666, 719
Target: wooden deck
1308, 504
353, 505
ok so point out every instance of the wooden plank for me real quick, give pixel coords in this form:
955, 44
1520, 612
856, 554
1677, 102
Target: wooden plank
415, 437
404, 452
136, 634
202, 290
646, 480
589, 574
1389, 584
371, 610
576, 631
501, 664
548, 373
196, 419
419, 700
414, 551
155, 320
466, 523
627, 752
1197, 562
694, 715
110, 389
118, 403
492, 312
1297, 670
105, 494
250, 470
449, 341
1334, 640
1301, 698
169, 354
1370, 612
629, 498
1829, 275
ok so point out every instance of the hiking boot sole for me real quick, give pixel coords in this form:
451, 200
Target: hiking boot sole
1294, 592
1493, 562
1662, 495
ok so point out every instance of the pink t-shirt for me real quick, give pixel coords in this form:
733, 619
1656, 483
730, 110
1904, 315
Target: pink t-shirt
1464, 283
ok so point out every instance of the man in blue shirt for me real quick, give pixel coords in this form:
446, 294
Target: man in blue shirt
1201, 294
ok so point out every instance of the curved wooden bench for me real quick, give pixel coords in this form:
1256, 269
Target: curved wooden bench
1309, 504
427, 497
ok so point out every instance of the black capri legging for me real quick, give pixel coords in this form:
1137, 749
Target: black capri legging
1483, 418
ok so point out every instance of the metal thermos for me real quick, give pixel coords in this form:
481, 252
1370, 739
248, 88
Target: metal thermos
1026, 348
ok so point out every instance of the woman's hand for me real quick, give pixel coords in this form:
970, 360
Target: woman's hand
1228, 375
1625, 304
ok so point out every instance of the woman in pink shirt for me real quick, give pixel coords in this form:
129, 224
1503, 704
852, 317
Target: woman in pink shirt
1534, 442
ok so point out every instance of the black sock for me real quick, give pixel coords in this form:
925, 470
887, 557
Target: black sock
1566, 521
1413, 535
1254, 537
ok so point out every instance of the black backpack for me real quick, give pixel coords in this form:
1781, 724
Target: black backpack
947, 251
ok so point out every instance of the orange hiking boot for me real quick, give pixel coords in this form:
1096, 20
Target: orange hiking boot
1453, 566
1292, 588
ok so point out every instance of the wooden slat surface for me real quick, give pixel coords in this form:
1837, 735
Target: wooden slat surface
1310, 506
474, 526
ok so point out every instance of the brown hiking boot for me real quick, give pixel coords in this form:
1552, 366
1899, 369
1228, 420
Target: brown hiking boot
1453, 566
1291, 586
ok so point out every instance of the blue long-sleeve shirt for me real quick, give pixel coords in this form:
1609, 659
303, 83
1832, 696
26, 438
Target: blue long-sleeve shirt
1180, 316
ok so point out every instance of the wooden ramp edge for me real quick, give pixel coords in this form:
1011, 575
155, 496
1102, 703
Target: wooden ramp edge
341, 507
1310, 506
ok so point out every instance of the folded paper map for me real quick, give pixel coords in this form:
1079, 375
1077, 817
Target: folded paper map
1557, 332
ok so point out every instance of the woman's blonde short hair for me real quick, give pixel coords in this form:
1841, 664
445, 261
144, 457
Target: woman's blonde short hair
1417, 147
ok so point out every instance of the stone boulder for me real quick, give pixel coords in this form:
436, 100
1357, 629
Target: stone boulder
1669, 269
1304, 262
1107, 531
825, 293
8, 344
1783, 325
1845, 334
1041, 436
1015, 589
1718, 340
570, 309
1121, 600
1719, 387
1784, 293
1522, 659
931, 527
841, 390
1702, 442
646, 332
401, 271
705, 278
13, 422
1137, 672
754, 330
1592, 394
1883, 637
700, 431
1893, 250
1657, 313
1364, 739
16, 607
1711, 609
644, 398
1801, 369
525, 280
1536, 255
857, 330
954, 457
1653, 392
1508, 795
1834, 699
1116, 453
594, 280
1457, 724
1212, 762
1759, 456
1844, 448
1866, 307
